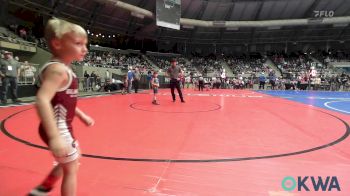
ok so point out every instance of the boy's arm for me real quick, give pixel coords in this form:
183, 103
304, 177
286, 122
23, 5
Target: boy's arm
54, 78
85, 118
153, 83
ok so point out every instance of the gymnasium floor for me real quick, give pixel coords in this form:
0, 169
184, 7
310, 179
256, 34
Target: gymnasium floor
220, 142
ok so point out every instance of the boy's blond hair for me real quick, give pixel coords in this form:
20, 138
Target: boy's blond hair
56, 28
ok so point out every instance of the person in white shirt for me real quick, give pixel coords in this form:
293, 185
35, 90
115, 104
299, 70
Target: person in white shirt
223, 79
188, 81
28, 72
107, 76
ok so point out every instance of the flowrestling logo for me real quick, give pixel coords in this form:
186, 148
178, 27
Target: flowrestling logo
311, 183
323, 13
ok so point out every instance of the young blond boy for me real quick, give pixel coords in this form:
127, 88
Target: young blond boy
56, 104
155, 86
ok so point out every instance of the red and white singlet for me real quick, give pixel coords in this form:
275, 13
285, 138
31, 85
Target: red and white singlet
64, 104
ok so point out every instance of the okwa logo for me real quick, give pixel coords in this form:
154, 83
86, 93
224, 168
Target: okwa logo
311, 183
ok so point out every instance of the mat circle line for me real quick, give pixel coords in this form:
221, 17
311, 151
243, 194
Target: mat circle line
217, 107
336, 109
342, 138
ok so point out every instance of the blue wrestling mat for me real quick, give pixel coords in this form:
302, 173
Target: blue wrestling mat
336, 101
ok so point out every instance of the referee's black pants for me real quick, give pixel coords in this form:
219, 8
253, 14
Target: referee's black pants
174, 83
136, 85
200, 85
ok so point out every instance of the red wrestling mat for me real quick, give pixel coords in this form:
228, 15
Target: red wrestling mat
220, 142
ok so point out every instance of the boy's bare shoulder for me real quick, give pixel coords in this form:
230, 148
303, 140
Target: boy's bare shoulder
55, 70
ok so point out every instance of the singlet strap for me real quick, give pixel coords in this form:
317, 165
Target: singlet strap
70, 74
